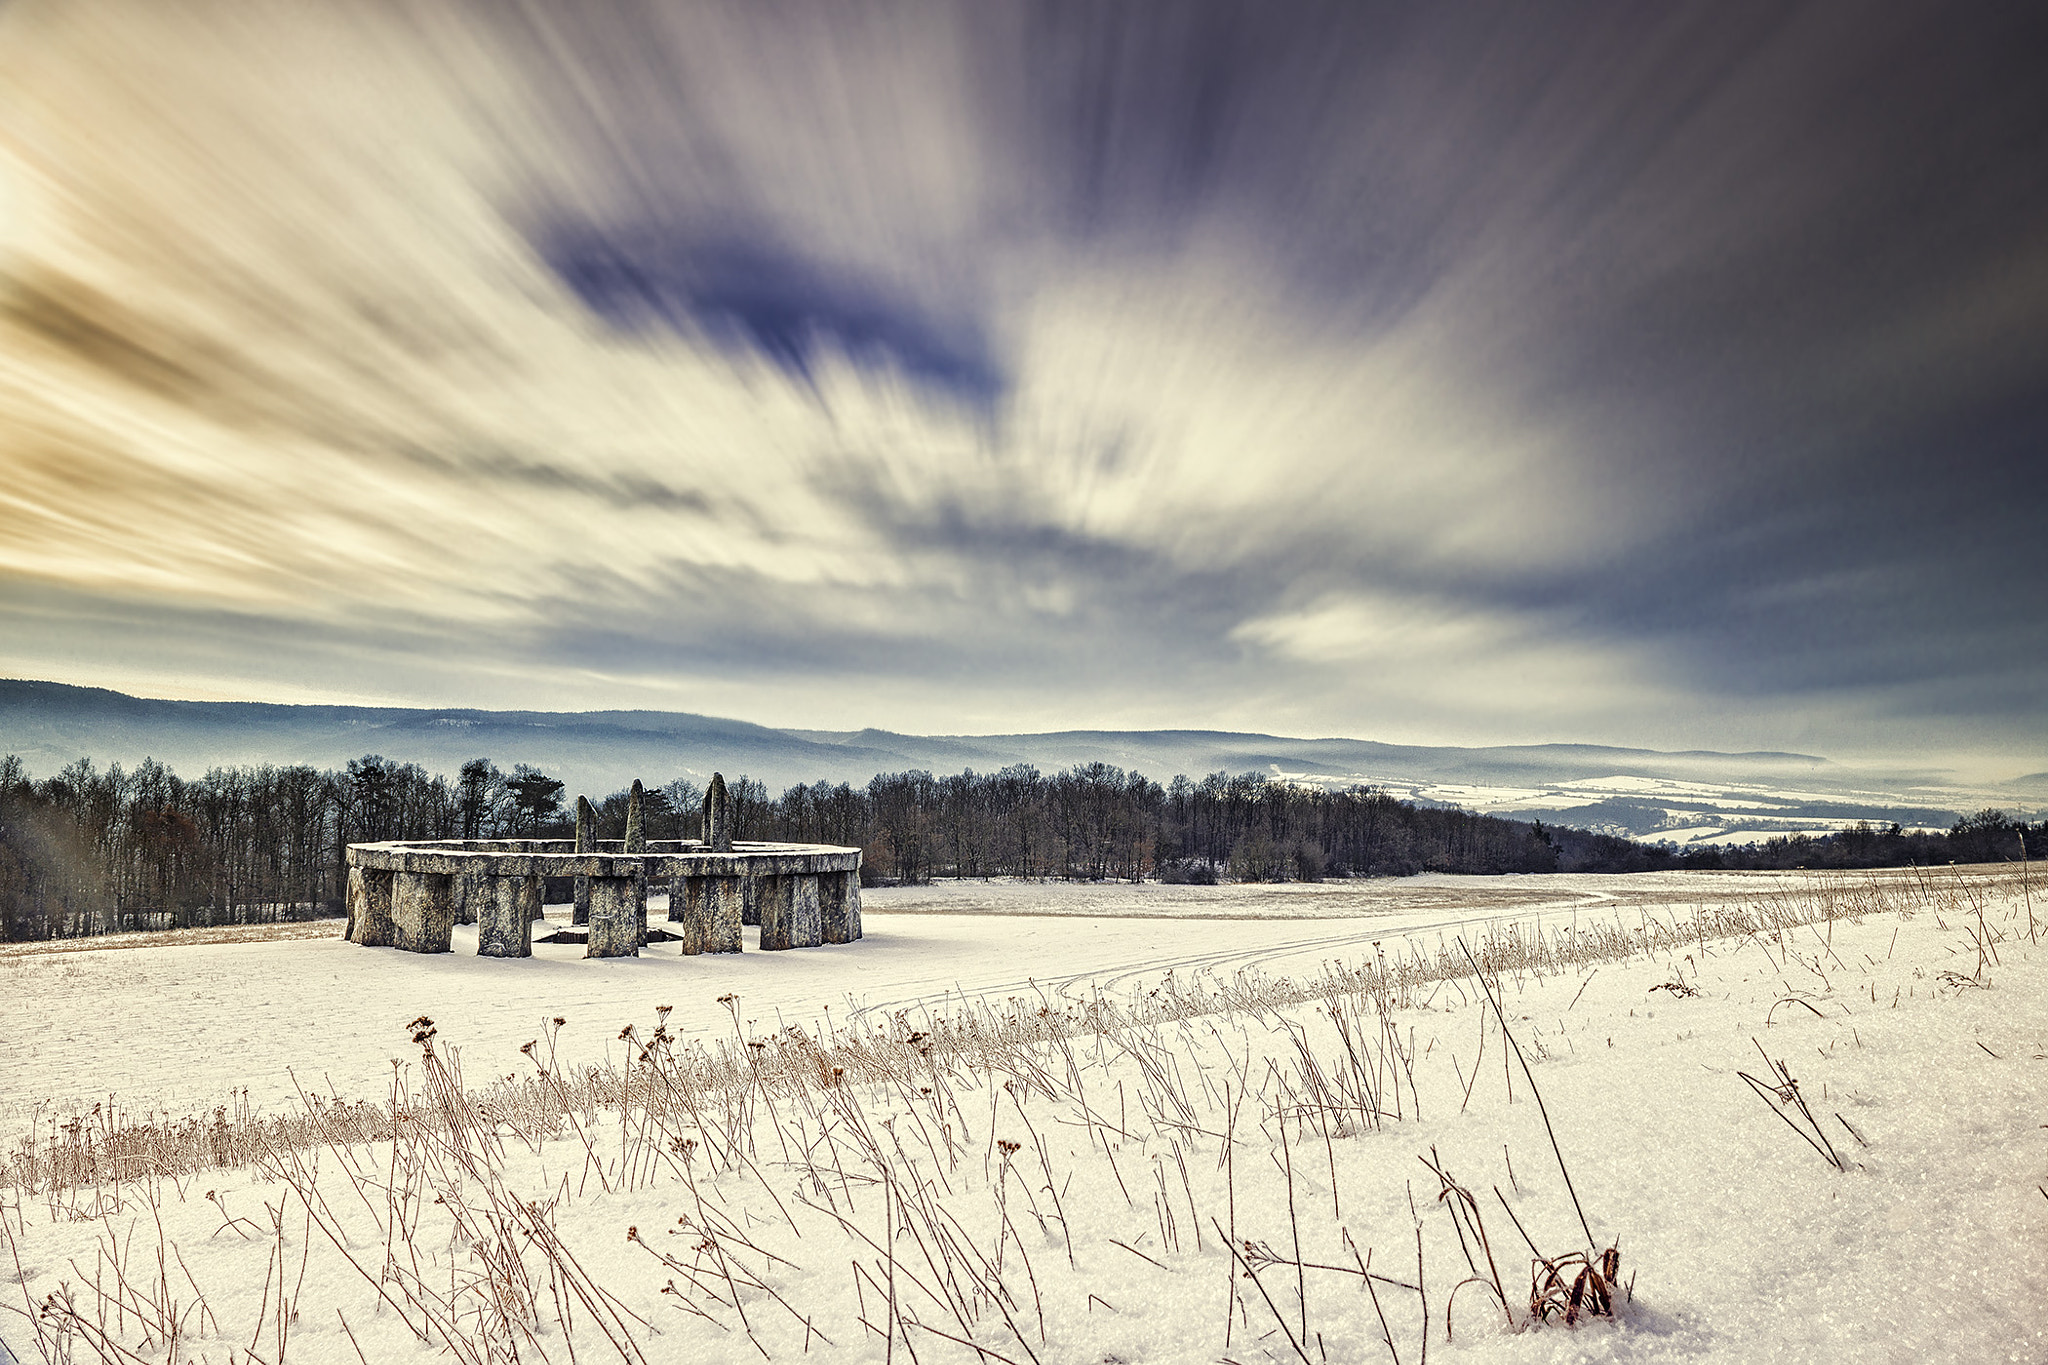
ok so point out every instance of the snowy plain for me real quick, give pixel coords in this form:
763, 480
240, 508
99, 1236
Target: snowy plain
147, 1026
1916, 1028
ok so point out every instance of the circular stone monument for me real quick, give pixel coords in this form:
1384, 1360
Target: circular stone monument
403, 893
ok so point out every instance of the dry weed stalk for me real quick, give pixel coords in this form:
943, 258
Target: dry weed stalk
1781, 1094
922, 1150
733, 1076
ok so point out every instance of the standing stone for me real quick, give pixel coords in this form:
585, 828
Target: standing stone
586, 842
839, 906
717, 817
689, 904
422, 911
708, 908
614, 927
775, 911
506, 909
636, 828
636, 842
806, 928
369, 907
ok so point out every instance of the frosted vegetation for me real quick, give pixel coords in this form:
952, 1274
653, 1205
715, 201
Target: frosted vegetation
1769, 1119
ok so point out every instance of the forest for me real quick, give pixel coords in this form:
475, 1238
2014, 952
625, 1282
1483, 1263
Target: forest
93, 850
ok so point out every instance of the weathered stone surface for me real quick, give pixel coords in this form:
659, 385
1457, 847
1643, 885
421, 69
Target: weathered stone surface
614, 925
586, 828
422, 912
775, 911
636, 842
839, 907
717, 816
685, 906
723, 897
369, 906
506, 910
746, 859
806, 928
810, 892
636, 828
710, 914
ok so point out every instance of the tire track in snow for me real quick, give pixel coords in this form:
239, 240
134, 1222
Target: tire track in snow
1076, 987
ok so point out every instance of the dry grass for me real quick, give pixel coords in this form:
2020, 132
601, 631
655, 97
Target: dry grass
906, 1165
105, 1149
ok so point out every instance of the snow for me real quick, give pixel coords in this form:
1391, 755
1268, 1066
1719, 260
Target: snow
1923, 1023
182, 1029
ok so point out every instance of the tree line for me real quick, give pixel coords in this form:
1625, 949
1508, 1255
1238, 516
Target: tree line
91, 850
1989, 836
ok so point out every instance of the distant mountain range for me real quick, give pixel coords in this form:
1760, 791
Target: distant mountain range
1684, 797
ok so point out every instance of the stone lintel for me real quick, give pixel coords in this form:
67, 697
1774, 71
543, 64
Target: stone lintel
774, 860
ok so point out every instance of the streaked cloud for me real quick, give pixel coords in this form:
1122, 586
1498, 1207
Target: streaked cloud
1661, 376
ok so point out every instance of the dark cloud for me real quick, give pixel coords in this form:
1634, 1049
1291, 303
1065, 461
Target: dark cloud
748, 295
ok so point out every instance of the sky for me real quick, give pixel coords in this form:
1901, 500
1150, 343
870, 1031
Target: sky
1662, 375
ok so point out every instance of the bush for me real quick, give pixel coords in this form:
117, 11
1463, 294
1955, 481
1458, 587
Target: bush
1187, 872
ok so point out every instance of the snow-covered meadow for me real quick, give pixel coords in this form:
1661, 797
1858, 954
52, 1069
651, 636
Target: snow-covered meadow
1043, 1123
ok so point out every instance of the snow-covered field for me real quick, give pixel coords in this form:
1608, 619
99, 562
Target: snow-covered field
177, 1029
1917, 1031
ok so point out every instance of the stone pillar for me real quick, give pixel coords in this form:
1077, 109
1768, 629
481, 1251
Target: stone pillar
369, 907
636, 829
636, 842
689, 904
614, 925
708, 908
723, 897
839, 906
506, 908
806, 928
776, 908
422, 912
717, 817
750, 900
586, 842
